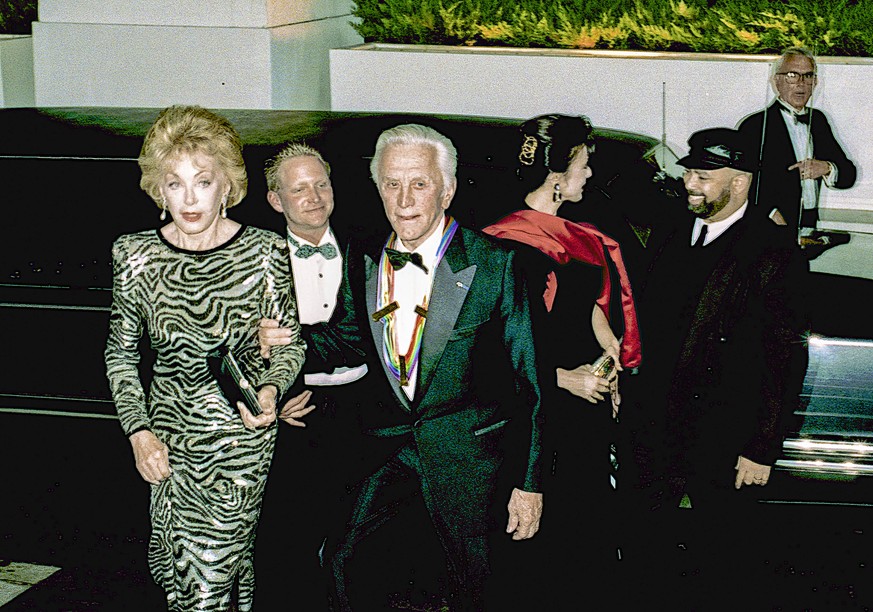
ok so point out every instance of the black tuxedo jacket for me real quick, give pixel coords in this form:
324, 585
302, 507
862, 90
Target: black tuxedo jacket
476, 410
774, 184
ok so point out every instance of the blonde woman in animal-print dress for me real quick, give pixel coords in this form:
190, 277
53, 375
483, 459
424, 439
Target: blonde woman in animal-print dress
197, 283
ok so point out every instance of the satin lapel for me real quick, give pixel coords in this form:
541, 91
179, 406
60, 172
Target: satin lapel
377, 327
447, 296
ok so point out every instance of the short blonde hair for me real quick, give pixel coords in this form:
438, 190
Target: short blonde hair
289, 151
192, 130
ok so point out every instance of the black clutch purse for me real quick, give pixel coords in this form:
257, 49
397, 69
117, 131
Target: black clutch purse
231, 380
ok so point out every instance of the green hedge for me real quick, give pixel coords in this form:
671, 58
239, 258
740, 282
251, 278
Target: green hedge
16, 16
840, 27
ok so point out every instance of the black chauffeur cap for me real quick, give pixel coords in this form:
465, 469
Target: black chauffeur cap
716, 148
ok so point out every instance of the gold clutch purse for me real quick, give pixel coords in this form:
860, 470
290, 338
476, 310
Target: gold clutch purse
603, 366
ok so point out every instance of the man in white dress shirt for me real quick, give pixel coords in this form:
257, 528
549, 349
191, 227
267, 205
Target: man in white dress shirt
796, 148
306, 477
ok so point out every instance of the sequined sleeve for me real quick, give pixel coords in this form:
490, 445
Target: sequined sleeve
279, 302
125, 329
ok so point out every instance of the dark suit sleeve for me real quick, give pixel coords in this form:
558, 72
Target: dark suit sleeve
828, 149
338, 342
515, 309
782, 278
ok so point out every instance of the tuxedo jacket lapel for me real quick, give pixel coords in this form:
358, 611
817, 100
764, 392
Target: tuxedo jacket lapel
451, 284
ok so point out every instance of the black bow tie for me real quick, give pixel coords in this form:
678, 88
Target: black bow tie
399, 259
798, 118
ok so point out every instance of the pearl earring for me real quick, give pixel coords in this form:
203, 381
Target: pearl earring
556, 196
224, 207
163, 216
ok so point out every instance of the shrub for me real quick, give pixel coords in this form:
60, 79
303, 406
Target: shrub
16, 16
842, 27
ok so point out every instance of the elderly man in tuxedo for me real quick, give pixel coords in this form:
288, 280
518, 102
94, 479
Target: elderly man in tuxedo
452, 412
796, 147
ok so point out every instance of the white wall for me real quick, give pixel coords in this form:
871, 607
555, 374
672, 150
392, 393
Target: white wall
16, 71
127, 65
212, 13
617, 90
209, 13
256, 54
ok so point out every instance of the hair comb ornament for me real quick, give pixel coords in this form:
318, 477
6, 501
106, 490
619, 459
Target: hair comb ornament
528, 149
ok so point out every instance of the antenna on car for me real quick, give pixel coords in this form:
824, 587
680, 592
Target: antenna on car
663, 124
770, 73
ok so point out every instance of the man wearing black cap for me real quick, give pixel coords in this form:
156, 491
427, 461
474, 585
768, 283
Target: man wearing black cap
725, 356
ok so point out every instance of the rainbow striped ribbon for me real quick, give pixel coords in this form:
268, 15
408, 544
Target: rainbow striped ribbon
401, 365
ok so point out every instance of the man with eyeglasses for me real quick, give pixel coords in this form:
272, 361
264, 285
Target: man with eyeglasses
796, 147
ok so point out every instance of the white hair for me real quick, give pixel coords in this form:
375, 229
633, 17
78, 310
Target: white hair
776, 66
415, 134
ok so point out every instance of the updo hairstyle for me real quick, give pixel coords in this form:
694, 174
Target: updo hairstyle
547, 144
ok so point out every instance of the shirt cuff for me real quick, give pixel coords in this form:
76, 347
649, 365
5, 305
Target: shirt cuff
831, 179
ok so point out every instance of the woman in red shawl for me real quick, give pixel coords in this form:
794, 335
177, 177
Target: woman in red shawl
581, 276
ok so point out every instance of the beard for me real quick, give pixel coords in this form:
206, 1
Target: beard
708, 208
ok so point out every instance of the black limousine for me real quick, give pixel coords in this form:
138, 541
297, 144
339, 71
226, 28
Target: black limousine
71, 185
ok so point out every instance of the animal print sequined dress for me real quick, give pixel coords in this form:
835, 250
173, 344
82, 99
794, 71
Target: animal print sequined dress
204, 515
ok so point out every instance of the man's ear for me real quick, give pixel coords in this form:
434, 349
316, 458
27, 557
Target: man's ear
275, 202
741, 182
448, 194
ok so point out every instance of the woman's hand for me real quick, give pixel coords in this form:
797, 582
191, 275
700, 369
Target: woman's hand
267, 401
614, 395
580, 381
614, 350
151, 456
270, 334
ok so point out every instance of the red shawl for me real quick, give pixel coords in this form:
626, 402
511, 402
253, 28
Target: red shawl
564, 241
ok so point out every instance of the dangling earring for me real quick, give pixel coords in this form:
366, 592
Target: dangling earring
556, 196
224, 207
163, 216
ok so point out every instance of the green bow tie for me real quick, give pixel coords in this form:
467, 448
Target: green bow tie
305, 251
399, 259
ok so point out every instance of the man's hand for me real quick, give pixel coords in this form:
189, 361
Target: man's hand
749, 473
151, 456
270, 334
525, 510
296, 408
267, 400
582, 383
811, 168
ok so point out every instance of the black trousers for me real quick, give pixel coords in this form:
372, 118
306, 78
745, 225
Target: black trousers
310, 470
391, 536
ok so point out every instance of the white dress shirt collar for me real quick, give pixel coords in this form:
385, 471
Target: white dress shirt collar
716, 228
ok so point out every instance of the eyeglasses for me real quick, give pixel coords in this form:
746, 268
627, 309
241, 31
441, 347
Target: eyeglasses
793, 78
